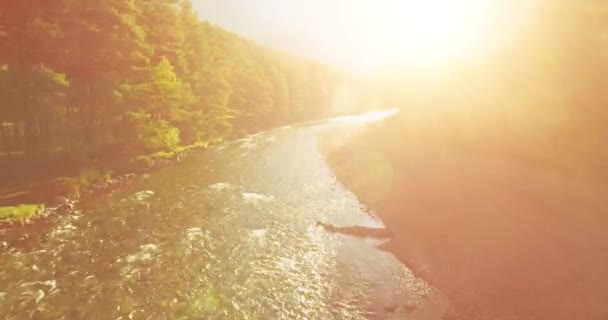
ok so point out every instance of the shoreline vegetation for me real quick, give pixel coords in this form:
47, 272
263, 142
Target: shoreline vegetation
90, 91
25, 204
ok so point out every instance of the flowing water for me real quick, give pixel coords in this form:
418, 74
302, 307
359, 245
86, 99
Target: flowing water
231, 233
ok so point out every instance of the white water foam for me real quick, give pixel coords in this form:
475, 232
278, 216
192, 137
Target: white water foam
249, 145
221, 186
36, 293
256, 197
143, 195
286, 264
194, 233
63, 230
144, 254
260, 233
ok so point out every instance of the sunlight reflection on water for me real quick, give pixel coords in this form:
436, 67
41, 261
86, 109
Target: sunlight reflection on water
372, 116
202, 245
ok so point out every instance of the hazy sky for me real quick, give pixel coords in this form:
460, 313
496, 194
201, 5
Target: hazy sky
308, 28
362, 35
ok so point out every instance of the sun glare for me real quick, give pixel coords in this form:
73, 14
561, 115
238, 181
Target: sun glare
425, 33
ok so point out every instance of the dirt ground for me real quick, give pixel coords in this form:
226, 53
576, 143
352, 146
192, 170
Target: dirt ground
504, 240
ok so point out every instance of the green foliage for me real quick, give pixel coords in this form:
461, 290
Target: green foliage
144, 162
72, 187
149, 161
153, 135
121, 78
20, 212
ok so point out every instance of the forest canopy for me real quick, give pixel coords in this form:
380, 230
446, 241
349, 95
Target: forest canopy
122, 77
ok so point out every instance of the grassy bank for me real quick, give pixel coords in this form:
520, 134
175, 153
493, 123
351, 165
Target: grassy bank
25, 197
19, 213
502, 236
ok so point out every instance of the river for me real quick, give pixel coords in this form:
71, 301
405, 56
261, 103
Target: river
231, 233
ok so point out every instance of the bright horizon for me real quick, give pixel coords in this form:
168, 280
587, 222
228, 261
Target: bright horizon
366, 36
321, 159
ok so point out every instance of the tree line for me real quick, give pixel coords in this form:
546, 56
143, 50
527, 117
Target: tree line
124, 78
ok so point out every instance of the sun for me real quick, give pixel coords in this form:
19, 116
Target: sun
423, 33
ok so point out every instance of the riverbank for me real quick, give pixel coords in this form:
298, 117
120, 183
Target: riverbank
503, 239
58, 190
228, 233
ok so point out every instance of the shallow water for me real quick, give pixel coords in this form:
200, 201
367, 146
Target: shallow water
229, 234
